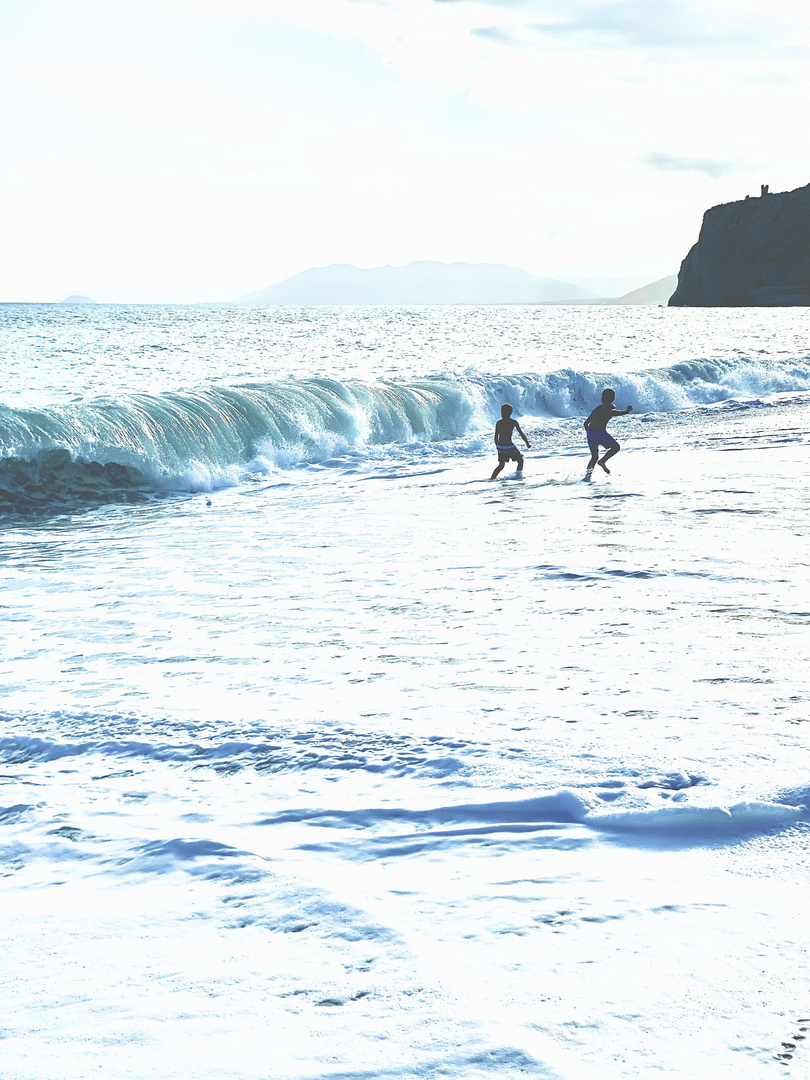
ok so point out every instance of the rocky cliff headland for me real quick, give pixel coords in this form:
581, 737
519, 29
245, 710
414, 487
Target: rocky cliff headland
751, 253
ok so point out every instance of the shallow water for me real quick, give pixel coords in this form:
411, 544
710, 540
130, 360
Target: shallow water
330, 758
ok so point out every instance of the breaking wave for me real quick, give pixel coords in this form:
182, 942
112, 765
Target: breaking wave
129, 448
710, 818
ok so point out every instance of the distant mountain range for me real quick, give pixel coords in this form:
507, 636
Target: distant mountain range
658, 292
418, 283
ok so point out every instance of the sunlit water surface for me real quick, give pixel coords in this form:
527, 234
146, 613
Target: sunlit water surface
328, 757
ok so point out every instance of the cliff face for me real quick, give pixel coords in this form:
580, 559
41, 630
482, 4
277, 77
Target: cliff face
752, 253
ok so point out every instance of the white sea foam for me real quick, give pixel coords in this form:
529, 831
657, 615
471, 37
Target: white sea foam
217, 436
364, 766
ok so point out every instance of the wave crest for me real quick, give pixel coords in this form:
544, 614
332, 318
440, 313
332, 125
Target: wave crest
212, 437
122, 449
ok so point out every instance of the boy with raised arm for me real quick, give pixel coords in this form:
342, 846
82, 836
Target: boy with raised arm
596, 426
507, 451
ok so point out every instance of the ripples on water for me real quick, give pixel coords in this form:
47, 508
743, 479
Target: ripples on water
357, 742
58, 353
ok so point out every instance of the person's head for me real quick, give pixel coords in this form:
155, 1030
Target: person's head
506, 411
608, 397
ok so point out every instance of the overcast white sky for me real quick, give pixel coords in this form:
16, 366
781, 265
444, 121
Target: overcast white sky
199, 149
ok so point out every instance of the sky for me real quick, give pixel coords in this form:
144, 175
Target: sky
193, 150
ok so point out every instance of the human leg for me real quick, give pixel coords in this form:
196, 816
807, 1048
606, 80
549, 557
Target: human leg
612, 449
503, 457
593, 446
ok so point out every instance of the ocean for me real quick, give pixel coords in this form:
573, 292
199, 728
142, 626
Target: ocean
324, 757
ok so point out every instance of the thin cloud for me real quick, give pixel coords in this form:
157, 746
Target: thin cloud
717, 28
497, 34
490, 3
639, 24
712, 167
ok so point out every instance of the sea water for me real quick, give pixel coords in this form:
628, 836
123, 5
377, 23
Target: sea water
323, 756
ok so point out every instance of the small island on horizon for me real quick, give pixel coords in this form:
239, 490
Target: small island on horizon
753, 252
419, 283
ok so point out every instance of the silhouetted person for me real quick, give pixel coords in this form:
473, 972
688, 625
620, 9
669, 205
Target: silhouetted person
596, 426
507, 451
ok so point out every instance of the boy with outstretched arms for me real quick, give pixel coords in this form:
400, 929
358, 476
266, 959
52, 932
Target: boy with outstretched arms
596, 426
507, 451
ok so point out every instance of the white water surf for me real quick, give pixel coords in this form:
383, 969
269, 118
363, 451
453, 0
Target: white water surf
344, 764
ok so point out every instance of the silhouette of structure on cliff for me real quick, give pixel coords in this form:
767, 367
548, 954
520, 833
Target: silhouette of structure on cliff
750, 253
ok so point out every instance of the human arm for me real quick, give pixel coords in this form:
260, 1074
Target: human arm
587, 423
519, 430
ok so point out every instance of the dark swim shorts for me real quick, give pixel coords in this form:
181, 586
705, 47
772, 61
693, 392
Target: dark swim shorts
507, 453
601, 438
